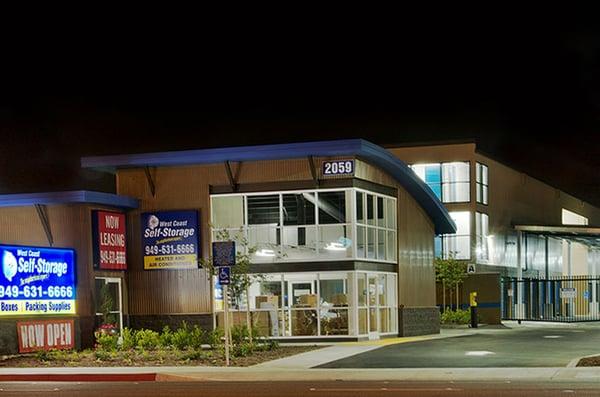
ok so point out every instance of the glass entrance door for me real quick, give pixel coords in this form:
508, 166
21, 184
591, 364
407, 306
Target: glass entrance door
109, 301
373, 307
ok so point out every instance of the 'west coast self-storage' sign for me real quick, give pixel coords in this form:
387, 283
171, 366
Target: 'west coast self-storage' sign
170, 240
45, 335
108, 231
37, 280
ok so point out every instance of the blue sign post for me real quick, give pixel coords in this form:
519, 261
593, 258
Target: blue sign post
223, 258
224, 275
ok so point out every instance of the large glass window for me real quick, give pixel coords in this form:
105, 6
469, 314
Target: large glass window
455, 182
482, 233
458, 245
449, 181
324, 304
308, 225
375, 226
481, 178
431, 174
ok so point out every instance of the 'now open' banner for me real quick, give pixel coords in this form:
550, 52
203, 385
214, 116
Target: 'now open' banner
45, 335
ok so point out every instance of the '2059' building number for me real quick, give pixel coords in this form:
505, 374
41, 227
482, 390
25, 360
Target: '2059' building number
338, 167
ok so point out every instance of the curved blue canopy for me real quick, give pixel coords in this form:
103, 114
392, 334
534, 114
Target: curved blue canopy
361, 148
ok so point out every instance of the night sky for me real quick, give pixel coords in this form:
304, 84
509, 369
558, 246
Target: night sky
530, 98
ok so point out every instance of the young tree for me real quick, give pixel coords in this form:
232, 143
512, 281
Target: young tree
452, 274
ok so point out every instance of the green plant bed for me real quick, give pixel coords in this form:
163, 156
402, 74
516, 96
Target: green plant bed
456, 317
184, 346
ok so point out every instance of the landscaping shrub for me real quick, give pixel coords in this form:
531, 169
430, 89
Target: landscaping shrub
197, 338
182, 337
239, 334
128, 339
456, 317
147, 339
107, 342
166, 337
215, 338
242, 349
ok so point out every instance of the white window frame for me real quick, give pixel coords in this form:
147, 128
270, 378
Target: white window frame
350, 223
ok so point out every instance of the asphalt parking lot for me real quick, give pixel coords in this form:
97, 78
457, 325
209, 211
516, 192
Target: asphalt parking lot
535, 346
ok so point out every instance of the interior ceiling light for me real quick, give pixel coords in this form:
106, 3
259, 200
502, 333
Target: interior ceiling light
333, 246
265, 252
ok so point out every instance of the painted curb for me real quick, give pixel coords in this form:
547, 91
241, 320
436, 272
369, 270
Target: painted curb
145, 377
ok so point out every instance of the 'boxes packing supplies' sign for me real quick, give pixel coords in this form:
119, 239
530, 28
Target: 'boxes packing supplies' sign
36, 281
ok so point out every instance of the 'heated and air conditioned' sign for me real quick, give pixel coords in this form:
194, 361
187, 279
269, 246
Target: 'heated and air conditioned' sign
108, 233
37, 280
45, 335
170, 240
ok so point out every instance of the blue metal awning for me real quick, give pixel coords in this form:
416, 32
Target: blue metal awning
361, 148
68, 197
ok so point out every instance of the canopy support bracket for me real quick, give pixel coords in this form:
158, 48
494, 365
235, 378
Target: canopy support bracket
43, 215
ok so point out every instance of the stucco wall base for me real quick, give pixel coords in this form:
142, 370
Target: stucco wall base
414, 321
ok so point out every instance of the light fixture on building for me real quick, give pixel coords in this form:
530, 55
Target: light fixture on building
334, 246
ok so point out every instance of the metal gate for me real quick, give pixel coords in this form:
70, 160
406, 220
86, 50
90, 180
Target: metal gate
560, 299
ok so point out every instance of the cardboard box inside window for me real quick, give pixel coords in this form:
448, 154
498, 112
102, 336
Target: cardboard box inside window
308, 300
266, 301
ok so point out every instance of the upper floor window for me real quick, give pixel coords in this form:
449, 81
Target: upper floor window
457, 245
482, 235
481, 186
449, 181
308, 225
572, 218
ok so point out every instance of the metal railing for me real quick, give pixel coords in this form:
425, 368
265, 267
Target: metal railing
559, 299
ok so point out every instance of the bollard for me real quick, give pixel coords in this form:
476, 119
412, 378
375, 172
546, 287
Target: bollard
473, 305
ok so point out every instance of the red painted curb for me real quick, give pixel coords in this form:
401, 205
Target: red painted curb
79, 378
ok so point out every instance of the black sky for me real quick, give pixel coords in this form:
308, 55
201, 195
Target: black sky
530, 96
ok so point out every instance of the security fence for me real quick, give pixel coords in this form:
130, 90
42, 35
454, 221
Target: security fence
560, 299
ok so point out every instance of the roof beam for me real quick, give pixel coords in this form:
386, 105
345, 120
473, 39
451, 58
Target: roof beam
313, 170
43, 215
150, 180
232, 181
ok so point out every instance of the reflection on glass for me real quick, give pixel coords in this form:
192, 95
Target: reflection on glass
362, 321
227, 211
299, 209
361, 279
372, 320
334, 321
360, 214
304, 322
332, 207
263, 210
